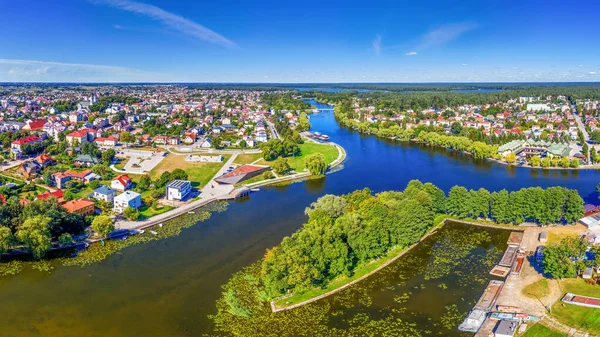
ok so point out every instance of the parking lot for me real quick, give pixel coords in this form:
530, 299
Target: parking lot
140, 162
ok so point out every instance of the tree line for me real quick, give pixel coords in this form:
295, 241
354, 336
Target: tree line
344, 232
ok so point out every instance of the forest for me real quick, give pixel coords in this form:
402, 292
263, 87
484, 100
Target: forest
346, 231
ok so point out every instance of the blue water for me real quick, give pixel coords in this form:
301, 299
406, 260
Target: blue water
467, 91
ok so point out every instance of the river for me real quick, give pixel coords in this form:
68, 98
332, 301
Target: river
168, 287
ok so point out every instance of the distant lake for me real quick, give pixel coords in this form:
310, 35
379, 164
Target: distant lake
468, 91
333, 89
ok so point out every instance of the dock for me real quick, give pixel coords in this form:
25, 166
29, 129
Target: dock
509, 256
500, 271
518, 264
490, 294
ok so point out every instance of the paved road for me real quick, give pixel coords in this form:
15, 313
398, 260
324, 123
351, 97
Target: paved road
274, 133
581, 127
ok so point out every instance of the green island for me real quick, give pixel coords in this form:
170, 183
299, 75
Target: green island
349, 236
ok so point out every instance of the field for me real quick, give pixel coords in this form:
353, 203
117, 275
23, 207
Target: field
297, 162
562, 232
148, 212
199, 173
575, 316
247, 158
537, 289
539, 330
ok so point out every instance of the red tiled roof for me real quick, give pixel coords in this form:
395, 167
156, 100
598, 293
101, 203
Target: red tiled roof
123, 179
26, 140
36, 125
81, 133
79, 175
75, 205
58, 194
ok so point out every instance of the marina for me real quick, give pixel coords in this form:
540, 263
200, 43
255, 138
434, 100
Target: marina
518, 265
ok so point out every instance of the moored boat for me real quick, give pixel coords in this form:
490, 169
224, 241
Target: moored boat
473, 322
507, 316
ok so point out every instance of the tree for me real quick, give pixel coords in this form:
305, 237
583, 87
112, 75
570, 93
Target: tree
108, 156
48, 180
574, 163
564, 162
303, 122
546, 162
280, 166
6, 239
65, 239
535, 161
126, 137
332, 205
511, 158
316, 164
103, 225
560, 259
144, 183
179, 174
268, 175
35, 234
131, 214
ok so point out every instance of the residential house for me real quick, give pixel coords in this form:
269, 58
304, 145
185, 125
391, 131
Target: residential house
29, 169
108, 142
85, 160
104, 193
58, 194
206, 143
82, 207
127, 199
19, 143
178, 189
121, 183
60, 179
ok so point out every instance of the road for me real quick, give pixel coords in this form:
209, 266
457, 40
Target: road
274, 133
581, 127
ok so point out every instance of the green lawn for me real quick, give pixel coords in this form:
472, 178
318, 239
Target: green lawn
148, 212
575, 316
247, 158
297, 162
198, 173
539, 330
120, 165
537, 289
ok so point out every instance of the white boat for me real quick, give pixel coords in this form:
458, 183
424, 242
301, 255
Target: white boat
160, 225
142, 231
255, 189
153, 232
191, 212
474, 321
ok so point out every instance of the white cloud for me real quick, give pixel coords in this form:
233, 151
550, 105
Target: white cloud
465, 64
377, 44
592, 73
43, 71
170, 20
411, 53
444, 34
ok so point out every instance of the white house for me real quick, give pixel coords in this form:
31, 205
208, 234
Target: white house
121, 183
206, 143
127, 199
178, 189
104, 193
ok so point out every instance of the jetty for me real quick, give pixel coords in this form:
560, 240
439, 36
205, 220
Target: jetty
509, 256
490, 294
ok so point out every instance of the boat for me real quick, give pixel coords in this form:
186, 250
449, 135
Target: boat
518, 265
160, 225
474, 321
490, 294
509, 256
191, 212
324, 137
318, 134
507, 316
154, 233
255, 189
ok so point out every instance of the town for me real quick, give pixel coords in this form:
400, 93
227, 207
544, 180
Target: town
127, 158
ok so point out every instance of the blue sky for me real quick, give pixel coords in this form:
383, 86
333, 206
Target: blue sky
298, 41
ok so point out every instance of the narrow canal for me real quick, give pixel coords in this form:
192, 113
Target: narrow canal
169, 287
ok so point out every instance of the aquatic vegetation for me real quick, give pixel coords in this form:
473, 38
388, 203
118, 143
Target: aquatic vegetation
398, 301
11, 268
42, 265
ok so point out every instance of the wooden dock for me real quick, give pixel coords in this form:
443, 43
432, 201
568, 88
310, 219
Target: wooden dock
490, 295
509, 256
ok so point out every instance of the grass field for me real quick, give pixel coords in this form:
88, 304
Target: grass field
575, 316
247, 158
198, 173
297, 162
562, 232
539, 330
148, 212
537, 289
